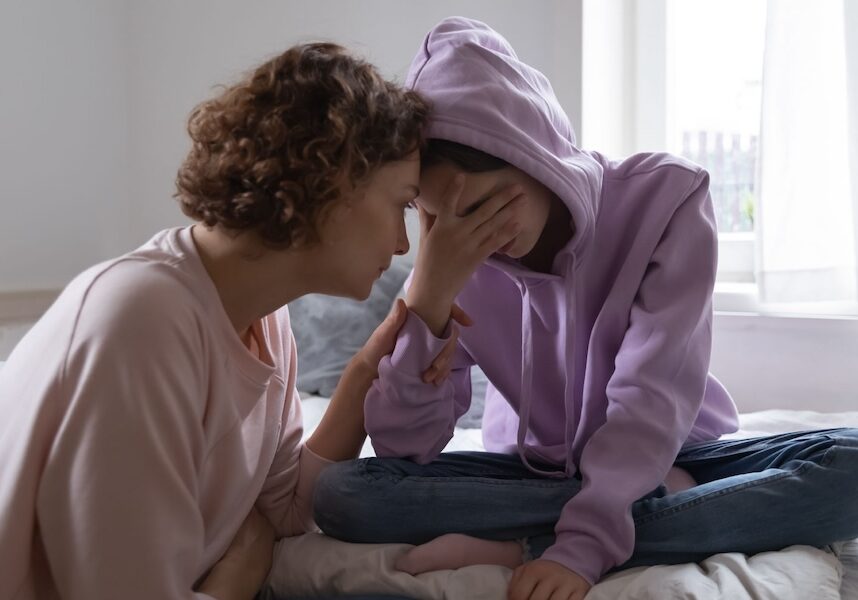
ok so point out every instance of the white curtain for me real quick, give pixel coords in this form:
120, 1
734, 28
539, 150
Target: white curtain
807, 218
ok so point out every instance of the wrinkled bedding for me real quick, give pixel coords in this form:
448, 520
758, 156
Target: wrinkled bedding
313, 564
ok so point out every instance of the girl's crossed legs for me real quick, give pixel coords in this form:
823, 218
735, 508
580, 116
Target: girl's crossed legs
752, 495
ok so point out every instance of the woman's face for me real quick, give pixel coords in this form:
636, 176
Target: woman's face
479, 187
365, 230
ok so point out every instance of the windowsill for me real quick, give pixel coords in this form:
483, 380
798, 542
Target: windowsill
742, 298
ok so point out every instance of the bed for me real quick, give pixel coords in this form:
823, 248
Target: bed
313, 564
328, 332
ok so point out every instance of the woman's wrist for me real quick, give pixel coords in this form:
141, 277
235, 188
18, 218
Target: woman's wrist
359, 372
227, 582
341, 433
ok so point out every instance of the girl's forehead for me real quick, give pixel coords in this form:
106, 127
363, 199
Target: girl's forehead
434, 183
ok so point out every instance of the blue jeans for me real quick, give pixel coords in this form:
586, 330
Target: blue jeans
752, 495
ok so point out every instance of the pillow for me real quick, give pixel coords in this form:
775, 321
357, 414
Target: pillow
473, 419
330, 330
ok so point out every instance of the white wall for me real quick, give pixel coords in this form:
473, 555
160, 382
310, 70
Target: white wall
95, 94
788, 362
63, 142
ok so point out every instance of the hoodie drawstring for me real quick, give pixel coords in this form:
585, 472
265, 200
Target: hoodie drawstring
567, 330
570, 360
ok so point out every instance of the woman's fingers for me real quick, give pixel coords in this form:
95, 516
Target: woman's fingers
440, 367
460, 316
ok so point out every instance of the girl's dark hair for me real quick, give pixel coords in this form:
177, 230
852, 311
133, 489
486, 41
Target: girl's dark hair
273, 152
466, 158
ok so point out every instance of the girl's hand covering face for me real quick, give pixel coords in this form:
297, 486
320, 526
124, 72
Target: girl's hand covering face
453, 246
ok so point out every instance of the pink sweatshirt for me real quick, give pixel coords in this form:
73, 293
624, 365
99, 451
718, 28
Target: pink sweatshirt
138, 431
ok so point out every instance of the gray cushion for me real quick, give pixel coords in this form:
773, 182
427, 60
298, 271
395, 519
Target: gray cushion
473, 419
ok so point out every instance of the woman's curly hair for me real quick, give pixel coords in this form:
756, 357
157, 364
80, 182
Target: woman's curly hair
271, 153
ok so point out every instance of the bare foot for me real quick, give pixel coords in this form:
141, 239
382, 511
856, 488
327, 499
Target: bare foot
677, 480
456, 550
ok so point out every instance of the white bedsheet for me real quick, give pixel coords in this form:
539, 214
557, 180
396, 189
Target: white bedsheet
313, 564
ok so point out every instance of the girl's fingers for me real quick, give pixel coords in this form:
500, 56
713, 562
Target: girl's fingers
542, 591
498, 220
493, 205
426, 220
450, 198
565, 593
499, 238
522, 588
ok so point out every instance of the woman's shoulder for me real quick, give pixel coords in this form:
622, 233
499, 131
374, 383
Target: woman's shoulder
130, 302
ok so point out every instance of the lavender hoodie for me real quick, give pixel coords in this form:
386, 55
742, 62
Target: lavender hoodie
599, 367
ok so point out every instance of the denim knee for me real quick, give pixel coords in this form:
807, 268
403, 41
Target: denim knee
847, 438
344, 503
841, 481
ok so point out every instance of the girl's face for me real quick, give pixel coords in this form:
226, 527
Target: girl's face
365, 230
479, 187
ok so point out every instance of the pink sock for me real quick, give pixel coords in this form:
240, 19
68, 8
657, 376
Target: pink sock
678, 479
455, 550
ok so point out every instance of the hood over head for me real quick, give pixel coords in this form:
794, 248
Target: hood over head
483, 96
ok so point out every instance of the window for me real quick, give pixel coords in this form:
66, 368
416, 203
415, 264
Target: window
762, 94
713, 78
714, 85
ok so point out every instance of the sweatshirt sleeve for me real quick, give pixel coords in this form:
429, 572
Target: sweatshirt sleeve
287, 494
653, 397
117, 500
405, 417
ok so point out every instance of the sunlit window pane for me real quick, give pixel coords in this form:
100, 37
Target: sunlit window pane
714, 70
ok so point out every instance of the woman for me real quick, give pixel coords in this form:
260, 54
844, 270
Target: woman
154, 405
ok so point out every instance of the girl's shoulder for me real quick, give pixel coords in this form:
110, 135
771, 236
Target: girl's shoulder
652, 164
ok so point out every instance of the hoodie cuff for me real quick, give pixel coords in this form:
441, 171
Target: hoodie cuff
581, 554
416, 346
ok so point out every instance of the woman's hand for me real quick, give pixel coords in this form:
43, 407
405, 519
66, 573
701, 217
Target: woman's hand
242, 570
544, 579
440, 368
453, 246
383, 340
341, 432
